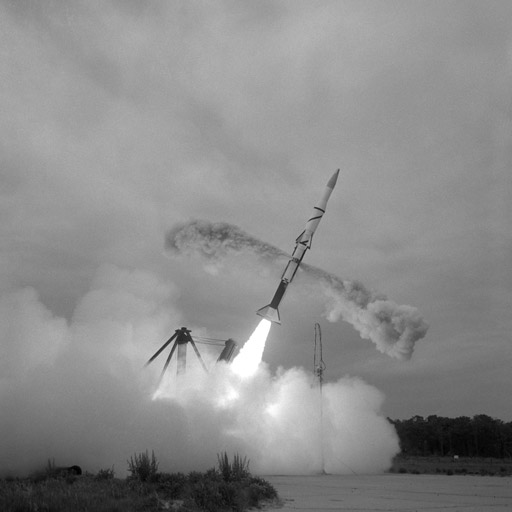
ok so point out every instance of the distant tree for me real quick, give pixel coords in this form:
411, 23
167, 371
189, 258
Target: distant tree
461, 435
506, 439
480, 436
486, 436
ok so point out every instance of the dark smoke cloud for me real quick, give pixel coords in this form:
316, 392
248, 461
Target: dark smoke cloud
216, 240
393, 328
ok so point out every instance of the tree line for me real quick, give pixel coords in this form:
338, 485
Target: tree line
479, 436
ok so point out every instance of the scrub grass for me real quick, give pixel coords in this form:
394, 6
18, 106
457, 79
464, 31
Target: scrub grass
229, 487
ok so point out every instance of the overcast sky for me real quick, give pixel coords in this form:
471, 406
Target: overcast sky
120, 119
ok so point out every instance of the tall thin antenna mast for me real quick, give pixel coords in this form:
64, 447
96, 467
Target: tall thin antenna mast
319, 368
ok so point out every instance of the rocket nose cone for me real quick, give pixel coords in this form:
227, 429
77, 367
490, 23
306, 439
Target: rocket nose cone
334, 178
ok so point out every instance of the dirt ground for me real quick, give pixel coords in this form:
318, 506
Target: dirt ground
393, 492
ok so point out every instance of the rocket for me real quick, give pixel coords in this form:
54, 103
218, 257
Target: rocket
302, 244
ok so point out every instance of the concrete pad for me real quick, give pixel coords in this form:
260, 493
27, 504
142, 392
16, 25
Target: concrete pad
393, 492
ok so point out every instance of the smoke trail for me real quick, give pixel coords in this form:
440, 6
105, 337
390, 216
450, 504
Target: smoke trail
393, 328
213, 242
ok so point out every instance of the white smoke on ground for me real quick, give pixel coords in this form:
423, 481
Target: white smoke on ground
276, 420
393, 328
77, 391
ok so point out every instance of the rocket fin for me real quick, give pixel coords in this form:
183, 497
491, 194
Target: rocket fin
270, 313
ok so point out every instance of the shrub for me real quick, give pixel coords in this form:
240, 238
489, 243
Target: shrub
70, 479
145, 489
233, 472
171, 485
231, 487
105, 474
219, 495
231, 495
194, 477
142, 468
207, 496
261, 489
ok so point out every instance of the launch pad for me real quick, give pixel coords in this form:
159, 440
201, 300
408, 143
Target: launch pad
182, 338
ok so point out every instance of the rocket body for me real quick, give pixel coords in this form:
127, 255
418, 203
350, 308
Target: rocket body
302, 244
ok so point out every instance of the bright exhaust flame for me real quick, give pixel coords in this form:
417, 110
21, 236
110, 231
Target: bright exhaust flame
247, 361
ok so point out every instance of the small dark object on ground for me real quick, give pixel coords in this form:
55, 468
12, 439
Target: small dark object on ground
57, 472
53, 471
74, 470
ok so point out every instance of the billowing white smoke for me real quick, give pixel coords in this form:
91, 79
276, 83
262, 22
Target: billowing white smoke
394, 329
277, 421
77, 391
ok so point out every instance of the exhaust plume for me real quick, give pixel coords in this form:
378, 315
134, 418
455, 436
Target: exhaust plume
393, 328
247, 361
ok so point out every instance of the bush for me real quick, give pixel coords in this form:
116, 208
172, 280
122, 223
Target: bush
105, 474
194, 477
207, 496
145, 489
233, 472
231, 487
261, 489
171, 485
142, 468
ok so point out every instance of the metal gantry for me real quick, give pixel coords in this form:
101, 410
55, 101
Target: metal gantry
181, 338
